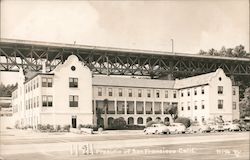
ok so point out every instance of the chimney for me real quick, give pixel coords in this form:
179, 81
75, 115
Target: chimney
44, 67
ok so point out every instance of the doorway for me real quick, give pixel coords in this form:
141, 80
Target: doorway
74, 122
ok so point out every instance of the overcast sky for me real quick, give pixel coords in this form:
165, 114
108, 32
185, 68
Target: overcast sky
193, 24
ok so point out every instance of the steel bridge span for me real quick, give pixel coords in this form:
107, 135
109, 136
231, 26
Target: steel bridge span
30, 55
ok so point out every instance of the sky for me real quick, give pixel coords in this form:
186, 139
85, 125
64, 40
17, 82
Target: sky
147, 25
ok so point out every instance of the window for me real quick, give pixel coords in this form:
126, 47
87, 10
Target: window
234, 91
139, 93
148, 93
46, 82
34, 84
195, 91
182, 108
202, 90
220, 104
188, 93
157, 94
188, 105
220, 89
37, 83
120, 92
110, 92
202, 104
203, 119
130, 92
99, 91
174, 94
47, 101
73, 68
234, 105
73, 101
73, 82
37, 104
182, 93
34, 101
195, 105
50, 103
166, 94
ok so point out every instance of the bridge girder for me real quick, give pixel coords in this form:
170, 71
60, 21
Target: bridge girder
31, 56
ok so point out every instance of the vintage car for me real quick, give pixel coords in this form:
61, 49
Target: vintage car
229, 126
198, 128
157, 129
176, 128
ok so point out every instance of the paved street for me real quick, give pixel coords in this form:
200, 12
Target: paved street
128, 144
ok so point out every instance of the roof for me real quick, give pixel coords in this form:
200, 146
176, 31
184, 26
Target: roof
195, 80
132, 82
30, 75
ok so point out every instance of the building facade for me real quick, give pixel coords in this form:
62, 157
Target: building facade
70, 95
61, 97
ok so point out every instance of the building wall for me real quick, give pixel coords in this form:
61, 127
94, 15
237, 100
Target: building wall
236, 110
190, 101
115, 101
220, 79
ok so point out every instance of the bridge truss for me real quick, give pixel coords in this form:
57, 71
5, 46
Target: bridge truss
113, 61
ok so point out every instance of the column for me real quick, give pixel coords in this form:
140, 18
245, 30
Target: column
125, 106
162, 112
115, 101
135, 107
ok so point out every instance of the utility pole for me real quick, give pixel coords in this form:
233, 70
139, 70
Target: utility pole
172, 43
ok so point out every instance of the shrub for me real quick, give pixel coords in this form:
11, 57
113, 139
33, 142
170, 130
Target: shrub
66, 128
184, 120
8, 128
57, 128
118, 123
135, 127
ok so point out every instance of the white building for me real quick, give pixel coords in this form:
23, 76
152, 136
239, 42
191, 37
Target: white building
69, 95
61, 97
208, 96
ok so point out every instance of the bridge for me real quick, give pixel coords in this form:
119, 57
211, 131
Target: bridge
30, 55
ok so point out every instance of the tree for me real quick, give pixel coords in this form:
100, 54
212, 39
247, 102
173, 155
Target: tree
245, 104
185, 121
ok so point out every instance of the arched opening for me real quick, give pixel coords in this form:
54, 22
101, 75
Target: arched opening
130, 120
149, 119
140, 120
110, 121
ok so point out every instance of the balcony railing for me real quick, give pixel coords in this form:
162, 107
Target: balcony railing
139, 112
157, 112
111, 112
130, 112
121, 112
149, 112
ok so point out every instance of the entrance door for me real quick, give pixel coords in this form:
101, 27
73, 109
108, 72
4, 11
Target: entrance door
74, 122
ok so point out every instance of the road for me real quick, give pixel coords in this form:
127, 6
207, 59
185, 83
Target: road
124, 146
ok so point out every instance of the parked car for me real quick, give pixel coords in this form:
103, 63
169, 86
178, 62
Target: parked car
216, 127
157, 129
198, 128
244, 126
177, 128
231, 126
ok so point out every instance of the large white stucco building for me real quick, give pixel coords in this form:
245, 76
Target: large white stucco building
71, 95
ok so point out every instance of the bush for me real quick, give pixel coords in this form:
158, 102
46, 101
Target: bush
135, 127
66, 128
8, 128
183, 120
118, 123
86, 126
